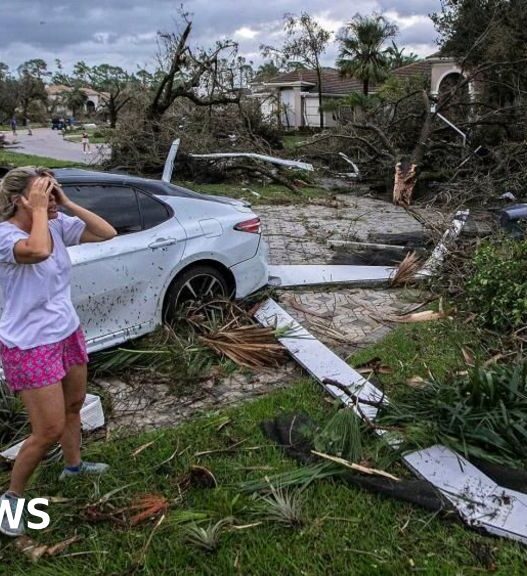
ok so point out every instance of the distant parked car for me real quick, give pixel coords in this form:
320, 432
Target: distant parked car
173, 245
57, 124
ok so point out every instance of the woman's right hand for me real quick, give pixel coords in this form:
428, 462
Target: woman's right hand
38, 195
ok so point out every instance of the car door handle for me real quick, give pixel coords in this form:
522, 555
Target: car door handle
162, 242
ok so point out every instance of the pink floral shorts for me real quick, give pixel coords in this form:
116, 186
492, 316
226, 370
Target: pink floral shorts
43, 365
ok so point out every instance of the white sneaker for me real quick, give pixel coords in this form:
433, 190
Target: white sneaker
85, 468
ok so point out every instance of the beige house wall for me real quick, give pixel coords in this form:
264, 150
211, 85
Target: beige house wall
441, 70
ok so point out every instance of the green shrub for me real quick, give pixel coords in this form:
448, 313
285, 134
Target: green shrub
481, 413
497, 289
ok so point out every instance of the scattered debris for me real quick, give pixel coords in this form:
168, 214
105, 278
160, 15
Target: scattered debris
356, 467
425, 316
262, 157
169, 162
291, 300
253, 192
480, 501
374, 365
35, 551
199, 476
406, 270
356, 171
317, 359
141, 509
441, 250
416, 382
247, 346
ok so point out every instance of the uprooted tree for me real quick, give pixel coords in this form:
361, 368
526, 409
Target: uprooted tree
402, 125
186, 78
195, 95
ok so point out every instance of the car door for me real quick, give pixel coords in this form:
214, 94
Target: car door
116, 285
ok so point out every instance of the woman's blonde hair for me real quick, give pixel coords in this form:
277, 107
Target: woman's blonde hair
14, 184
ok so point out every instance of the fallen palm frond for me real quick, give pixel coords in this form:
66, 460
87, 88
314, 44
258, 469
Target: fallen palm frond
186, 352
248, 346
232, 333
406, 270
301, 477
480, 413
165, 353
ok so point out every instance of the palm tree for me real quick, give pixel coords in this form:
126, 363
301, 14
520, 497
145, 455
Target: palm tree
362, 54
75, 100
398, 58
266, 71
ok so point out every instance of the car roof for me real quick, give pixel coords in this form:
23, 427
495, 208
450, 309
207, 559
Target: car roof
158, 187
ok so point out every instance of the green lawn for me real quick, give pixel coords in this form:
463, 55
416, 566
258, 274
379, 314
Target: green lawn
345, 530
268, 194
14, 159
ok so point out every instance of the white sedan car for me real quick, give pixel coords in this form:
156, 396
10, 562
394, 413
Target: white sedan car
172, 245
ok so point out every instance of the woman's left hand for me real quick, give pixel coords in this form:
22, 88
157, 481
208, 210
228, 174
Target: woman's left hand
60, 196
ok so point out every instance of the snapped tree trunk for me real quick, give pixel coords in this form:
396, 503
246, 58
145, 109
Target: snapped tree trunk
407, 173
404, 183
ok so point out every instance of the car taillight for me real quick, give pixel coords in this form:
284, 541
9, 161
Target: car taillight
254, 226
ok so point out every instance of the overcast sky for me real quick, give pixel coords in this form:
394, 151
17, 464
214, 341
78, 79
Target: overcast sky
123, 32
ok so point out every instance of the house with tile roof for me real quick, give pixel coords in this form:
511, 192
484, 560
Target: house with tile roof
291, 98
94, 100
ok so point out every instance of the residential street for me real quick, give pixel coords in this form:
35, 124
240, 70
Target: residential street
49, 143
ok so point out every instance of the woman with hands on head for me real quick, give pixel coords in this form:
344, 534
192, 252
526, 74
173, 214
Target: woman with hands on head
42, 345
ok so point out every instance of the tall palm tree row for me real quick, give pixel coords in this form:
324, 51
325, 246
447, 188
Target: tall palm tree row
363, 54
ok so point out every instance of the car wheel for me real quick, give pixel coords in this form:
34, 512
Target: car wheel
197, 284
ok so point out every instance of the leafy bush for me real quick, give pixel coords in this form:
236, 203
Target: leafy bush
482, 413
497, 288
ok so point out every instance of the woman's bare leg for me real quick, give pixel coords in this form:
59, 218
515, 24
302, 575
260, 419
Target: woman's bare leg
45, 408
74, 390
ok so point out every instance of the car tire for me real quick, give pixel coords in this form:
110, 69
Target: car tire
200, 282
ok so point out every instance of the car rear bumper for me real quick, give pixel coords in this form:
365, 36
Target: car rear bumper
252, 274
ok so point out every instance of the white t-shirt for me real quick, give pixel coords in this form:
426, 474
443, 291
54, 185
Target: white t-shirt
37, 307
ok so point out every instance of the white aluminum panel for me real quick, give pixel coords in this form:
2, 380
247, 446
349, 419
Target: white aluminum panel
318, 359
313, 274
479, 500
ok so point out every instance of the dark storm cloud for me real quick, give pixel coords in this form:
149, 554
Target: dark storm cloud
123, 32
